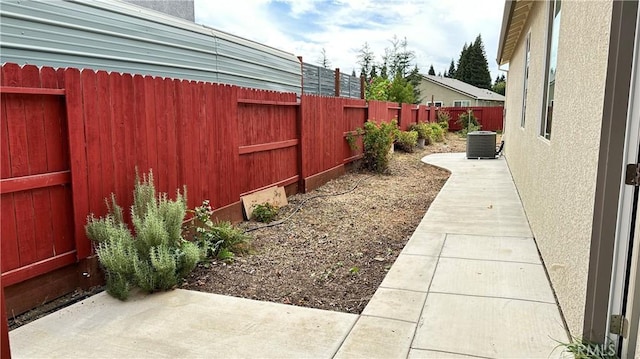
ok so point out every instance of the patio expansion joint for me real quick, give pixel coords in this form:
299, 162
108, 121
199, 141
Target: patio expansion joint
493, 297
454, 353
404, 289
492, 260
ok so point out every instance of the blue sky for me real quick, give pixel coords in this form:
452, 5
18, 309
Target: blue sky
435, 30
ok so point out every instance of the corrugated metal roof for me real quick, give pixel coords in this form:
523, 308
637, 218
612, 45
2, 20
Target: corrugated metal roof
116, 36
463, 87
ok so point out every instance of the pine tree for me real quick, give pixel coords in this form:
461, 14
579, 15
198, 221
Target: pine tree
373, 73
365, 60
479, 74
473, 67
323, 60
432, 71
452, 70
414, 79
353, 72
463, 64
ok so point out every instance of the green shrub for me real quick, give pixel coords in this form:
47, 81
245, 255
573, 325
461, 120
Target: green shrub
437, 133
406, 141
466, 130
378, 140
444, 125
217, 240
157, 257
265, 212
443, 116
422, 129
464, 118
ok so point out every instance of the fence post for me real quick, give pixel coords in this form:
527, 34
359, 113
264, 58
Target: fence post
301, 75
337, 82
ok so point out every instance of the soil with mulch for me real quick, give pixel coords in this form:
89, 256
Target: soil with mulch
334, 252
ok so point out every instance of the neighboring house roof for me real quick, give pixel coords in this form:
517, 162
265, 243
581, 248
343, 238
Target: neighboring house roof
464, 88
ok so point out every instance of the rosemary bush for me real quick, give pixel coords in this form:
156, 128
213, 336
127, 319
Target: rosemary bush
158, 256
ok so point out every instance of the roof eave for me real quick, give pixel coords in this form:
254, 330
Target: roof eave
506, 22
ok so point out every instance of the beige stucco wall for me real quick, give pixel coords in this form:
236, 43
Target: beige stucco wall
428, 88
556, 179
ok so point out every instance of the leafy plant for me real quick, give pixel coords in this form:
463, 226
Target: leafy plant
465, 118
216, 239
437, 133
406, 140
378, 140
443, 116
465, 131
265, 212
585, 349
423, 130
158, 256
444, 125
352, 138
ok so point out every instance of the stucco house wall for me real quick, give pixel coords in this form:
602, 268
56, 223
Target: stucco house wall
560, 211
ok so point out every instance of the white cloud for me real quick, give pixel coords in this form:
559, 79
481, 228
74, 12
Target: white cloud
435, 30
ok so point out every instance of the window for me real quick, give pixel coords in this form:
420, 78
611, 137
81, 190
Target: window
461, 103
527, 59
550, 71
436, 103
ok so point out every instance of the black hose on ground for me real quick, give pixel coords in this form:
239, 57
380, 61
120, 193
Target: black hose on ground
277, 223
499, 152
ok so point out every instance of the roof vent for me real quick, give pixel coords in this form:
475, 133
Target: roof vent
481, 145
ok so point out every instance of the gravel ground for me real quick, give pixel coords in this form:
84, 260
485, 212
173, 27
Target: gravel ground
335, 251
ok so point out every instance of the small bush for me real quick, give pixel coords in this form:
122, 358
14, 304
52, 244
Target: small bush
443, 116
407, 141
422, 129
464, 118
265, 212
444, 125
157, 257
378, 140
216, 240
437, 133
465, 131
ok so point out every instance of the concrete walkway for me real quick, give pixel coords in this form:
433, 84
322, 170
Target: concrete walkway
469, 283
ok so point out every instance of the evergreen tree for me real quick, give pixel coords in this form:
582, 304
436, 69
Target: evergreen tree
353, 72
365, 60
452, 70
432, 71
373, 73
463, 64
478, 72
500, 85
323, 60
414, 79
473, 67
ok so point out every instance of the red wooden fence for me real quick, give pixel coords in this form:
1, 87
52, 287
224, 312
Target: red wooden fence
490, 118
70, 138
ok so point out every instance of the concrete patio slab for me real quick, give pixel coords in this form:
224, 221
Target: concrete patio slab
410, 272
396, 304
424, 244
468, 284
489, 327
182, 324
492, 279
514, 249
374, 337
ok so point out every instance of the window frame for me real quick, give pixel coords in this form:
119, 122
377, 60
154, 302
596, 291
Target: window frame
551, 63
461, 101
525, 86
436, 103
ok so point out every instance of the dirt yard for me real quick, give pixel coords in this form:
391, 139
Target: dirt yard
335, 251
